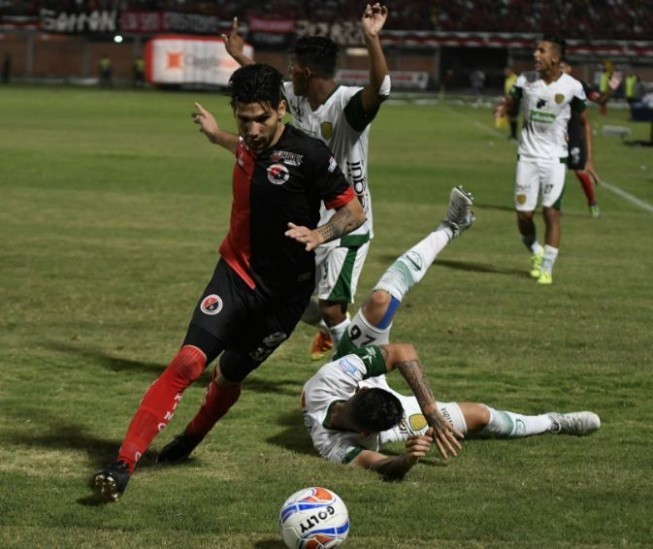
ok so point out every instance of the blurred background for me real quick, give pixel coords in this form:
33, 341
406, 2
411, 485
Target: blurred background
442, 46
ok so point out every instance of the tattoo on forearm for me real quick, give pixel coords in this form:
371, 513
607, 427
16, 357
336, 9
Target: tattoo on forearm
341, 223
413, 373
329, 232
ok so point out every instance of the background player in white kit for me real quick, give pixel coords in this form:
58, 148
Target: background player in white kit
547, 102
350, 410
340, 116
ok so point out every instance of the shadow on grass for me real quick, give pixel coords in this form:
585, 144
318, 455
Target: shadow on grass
499, 208
287, 386
58, 435
472, 267
294, 437
107, 361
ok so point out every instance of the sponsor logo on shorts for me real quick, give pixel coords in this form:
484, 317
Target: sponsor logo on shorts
211, 305
278, 174
269, 344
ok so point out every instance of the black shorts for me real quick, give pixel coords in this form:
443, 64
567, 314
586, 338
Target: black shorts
247, 322
576, 148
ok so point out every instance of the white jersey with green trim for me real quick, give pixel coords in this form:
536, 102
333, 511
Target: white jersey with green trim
341, 123
547, 109
335, 382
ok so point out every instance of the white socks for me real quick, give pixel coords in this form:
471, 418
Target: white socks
550, 256
505, 424
411, 267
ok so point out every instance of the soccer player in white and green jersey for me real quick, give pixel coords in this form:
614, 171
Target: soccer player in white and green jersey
351, 412
547, 99
340, 116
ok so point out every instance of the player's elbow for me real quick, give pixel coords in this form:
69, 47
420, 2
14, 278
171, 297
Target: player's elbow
405, 352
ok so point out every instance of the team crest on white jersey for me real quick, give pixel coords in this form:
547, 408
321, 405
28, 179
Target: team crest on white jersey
559, 98
278, 174
326, 130
211, 305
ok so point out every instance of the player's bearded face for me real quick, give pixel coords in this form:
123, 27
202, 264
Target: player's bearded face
259, 124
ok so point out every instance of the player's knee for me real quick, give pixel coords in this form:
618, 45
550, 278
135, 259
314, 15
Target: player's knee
524, 217
234, 368
483, 416
188, 364
551, 214
333, 312
477, 416
376, 306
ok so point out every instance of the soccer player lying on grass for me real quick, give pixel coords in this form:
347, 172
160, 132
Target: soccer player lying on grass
350, 410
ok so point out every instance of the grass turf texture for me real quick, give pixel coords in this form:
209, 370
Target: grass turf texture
112, 210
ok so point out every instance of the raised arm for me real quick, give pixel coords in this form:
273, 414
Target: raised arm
404, 358
209, 127
378, 87
236, 45
346, 219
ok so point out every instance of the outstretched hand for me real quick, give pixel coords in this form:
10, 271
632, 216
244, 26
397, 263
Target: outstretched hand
591, 170
310, 237
417, 447
446, 438
233, 42
373, 19
208, 125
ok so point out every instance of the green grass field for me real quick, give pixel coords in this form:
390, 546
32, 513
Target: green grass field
112, 208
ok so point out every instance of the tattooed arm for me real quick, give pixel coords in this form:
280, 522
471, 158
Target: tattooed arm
403, 357
346, 219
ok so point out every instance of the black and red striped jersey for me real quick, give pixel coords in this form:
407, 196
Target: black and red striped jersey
283, 184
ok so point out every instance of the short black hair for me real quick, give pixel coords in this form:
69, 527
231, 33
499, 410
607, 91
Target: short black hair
317, 52
557, 40
376, 410
257, 83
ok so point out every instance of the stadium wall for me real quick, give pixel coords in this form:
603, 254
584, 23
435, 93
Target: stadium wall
43, 56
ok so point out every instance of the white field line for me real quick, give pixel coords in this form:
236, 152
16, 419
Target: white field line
612, 188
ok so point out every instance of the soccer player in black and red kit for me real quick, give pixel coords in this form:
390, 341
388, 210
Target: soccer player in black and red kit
264, 279
580, 148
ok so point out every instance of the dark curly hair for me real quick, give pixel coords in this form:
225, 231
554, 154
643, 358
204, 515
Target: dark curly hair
376, 410
258, 83
319, 53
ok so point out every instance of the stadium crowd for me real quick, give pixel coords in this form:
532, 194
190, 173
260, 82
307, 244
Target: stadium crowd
581, 19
